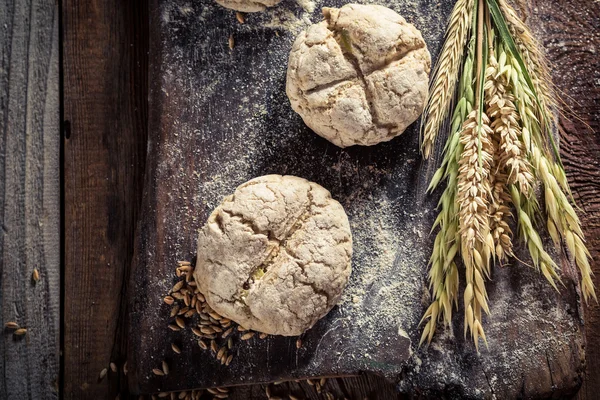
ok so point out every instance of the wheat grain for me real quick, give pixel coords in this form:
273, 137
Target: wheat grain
11, 325
177, 287
445, 75
175, 348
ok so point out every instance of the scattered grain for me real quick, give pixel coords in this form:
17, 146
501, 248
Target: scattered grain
228, 361
263, 335
174, 311
174, 327
175, 348
247, 336
35, 275
113, 367
298, 343
213, 346
227, 333
197, 332
180, 322
165, 367
169, 300
240, 17
231, 42
183, 310
103, 374
177, 287
157, 372
215, 315
202, 344
20, 331
207, 330
221, 351
11, 325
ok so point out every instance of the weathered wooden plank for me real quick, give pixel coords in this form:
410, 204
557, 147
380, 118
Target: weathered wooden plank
105, 94
29, 198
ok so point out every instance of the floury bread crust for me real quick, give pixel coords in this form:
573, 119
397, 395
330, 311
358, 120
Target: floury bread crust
248, 5
360, 77
275, 256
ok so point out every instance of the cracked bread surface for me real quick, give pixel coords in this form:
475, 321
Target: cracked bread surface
360, 77
248, 5
276, 255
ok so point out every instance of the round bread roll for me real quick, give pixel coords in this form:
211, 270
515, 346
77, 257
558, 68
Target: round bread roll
360, 77
248, 5
275, 256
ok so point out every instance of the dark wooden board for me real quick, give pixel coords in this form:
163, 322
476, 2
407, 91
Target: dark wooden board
220, 117
105, 81
29, 198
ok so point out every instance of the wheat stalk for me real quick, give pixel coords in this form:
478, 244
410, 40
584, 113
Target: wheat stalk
445, 75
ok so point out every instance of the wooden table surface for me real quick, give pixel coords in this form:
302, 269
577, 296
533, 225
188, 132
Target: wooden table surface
73, 107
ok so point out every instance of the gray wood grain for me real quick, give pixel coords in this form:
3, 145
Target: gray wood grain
29, 198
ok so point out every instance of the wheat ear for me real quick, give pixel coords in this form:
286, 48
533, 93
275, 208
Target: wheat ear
562, 220
445, 75
443, 272
533, 55
541, 259
506, 125
473, 199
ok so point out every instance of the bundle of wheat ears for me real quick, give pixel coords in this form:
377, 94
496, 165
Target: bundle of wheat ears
500, 152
